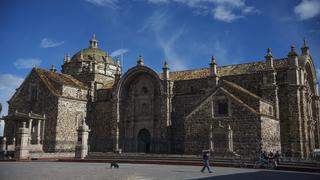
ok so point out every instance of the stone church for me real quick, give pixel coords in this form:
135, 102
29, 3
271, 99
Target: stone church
267, 105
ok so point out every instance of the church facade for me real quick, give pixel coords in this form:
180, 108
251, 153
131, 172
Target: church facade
269, 105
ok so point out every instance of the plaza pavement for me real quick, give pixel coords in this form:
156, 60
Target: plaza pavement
101, 171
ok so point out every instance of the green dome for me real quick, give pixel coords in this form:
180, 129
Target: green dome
89, 53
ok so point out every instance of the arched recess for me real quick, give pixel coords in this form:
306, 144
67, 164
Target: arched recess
139, 104
312, 108
311, 77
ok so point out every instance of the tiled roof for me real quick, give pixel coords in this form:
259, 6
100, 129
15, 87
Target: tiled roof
241, 89
54, 81
237, 69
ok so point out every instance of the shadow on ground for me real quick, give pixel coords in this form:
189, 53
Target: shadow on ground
266, 175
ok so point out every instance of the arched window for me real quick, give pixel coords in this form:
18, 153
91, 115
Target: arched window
33, 92
223, 107
270, 110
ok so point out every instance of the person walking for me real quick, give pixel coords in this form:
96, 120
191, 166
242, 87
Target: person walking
205, 159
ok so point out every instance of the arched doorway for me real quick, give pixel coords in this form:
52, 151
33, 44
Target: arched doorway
144, 141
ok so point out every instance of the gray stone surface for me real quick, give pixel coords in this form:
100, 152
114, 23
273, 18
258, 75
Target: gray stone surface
97, 171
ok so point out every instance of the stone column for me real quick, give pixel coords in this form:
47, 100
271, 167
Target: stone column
22, 149
3, 144
3, 148
38, 132
30, 131
82, 143
43, 129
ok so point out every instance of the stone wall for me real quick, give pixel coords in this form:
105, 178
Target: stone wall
74, 93
243, 123
270, 135
100, 123
71, 113
46, 103
186, 94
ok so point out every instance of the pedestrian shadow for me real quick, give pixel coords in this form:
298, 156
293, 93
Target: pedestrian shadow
265, 175
186, 171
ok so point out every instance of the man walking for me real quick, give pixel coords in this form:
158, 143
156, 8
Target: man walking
206, 164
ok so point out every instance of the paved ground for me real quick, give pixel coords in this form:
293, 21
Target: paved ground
92, 171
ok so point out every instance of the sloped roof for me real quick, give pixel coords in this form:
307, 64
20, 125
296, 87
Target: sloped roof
236, 69
241, 89
54, 81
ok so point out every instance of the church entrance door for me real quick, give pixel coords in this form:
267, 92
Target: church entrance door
144, 141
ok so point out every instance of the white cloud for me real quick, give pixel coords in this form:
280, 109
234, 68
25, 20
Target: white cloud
167, 46
224, 14
307, 9
8, 84
48, 43
250, 10
26, 63
158, 24
113, 4
222, 10
7, 81
119, 52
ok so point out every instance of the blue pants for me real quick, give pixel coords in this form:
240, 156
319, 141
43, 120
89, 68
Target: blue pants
206, 165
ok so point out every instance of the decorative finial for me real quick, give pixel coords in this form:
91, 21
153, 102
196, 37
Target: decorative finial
305, 48
93, 42
269, 51
293, 48
293, 51
305, 42
140, 61
165, 65
65, 58
269, 59
53, 68
269, 54
213, 60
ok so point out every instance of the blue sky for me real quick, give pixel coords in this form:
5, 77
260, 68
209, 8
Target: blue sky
186, 33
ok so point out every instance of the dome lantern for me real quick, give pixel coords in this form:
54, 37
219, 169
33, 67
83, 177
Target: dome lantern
93, 42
